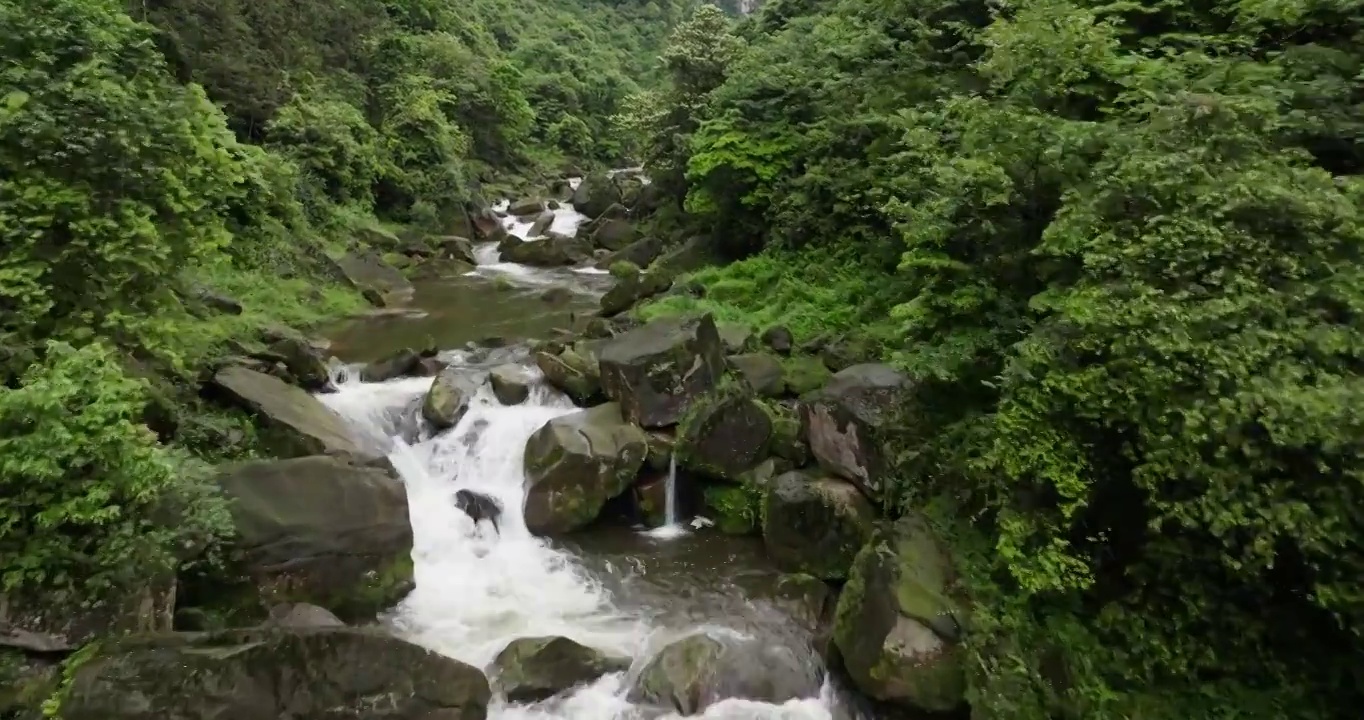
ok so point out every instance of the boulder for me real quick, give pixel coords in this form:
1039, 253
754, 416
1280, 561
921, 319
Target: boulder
375, 279
815, 525
575, 463
657, 371
631, 289
557, 295
304, 674
804, 374
572, 373
448, 399
641, 253
898, 626
779, 339
696, 671
526, 207
855, 422
693, 254
318, 530
651, 499
549, 251
304, 362
218, 301
724, 434
293, 423
788, 440
613, 234
737, 508
661, 444
454, 247
541, 224
762, 372
401, 363
302, 615
532, 669
737, 337
510, 384
595, 194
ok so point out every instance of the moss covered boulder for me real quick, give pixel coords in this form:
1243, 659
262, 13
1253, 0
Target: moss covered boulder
725, 434
898, 625
788, 438
305, 674
855, 424
661, 446
641, 253
536, 668
292, 422
569, 371
804, 374
815, 525
657, 371
381, 283
595, 194
693, 672
613, 233
318, 530
549, 251
447, 401
575, 463
631, 289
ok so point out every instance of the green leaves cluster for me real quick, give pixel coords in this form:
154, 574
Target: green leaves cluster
1118, 246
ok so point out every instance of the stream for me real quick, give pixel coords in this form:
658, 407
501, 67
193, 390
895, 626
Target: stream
618, 589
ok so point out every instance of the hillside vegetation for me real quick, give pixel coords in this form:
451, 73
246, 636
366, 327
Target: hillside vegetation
176, 178
1117, 245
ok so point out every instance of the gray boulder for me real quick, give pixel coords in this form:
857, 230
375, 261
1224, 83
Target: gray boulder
510, 384
725, 434
815, 525
536, 668
657, 371
293, 423
381, 283
692, 673
614, 234
575, 463
448, 399
855, 421
762, 372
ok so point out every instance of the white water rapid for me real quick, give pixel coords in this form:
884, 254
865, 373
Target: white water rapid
477, 590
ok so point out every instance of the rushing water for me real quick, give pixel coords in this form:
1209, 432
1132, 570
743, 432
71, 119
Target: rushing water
623, 592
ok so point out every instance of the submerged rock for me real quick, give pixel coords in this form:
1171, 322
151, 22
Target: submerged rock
322, 531
575, 463
658, 371
313, 674
898, 626
294, 423
815, 525
536, 668
448, 399
692, 673
853, 422
510, 384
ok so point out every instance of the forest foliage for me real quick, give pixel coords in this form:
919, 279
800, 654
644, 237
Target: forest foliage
157, 152
1118, 247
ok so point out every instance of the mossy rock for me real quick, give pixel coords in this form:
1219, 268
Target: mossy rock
575, 463
657, 371
815, 525
572, 373
532, 669
804, 373
725, 434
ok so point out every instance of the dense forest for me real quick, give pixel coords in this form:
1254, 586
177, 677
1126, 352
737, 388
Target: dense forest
1118, 247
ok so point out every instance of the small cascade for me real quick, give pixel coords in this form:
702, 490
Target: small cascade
672, 525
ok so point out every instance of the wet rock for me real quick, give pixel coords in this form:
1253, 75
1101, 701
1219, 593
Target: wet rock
305, 363
542, 223
807, 598
788, 439
661, 444
762, 372
693, 254
572, 373
779, 339
50, 627
614, 234
815, 525
657, 371
898, 625
318, 530
382, 284
631, 290
854, 421
448, 399
428, 367
312, 674
401, 363
641, 253
737, 508
651, 499
293, 423
575, 463
537, 668
454, 247
302, 615
595, 194
724, 434
692, 673
526, 207
549, 251
510, 384
25, 684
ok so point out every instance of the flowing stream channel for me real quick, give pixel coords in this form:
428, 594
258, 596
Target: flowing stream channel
618, 589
